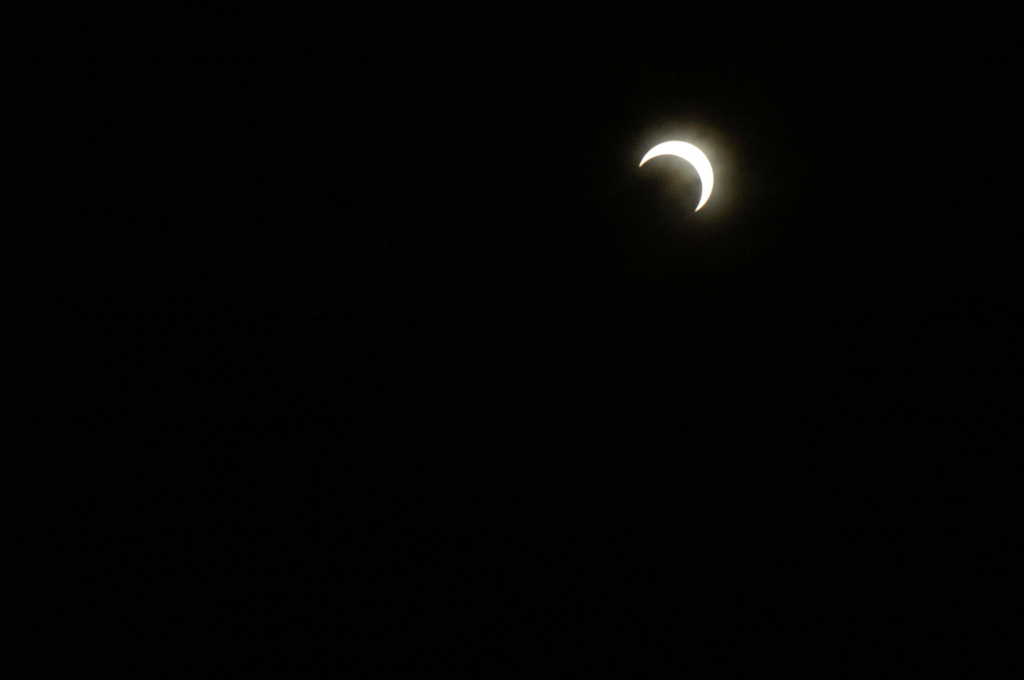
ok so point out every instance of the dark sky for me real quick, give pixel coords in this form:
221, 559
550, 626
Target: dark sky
391, 289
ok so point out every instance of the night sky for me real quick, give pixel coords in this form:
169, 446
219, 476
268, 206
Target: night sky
375, 312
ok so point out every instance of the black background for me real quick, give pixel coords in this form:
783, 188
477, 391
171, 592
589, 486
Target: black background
369, 322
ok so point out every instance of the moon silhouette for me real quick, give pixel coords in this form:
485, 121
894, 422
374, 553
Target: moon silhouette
696, 158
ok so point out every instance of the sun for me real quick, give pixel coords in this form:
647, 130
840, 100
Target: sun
694, 156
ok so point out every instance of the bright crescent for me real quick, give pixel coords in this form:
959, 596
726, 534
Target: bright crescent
695, 157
